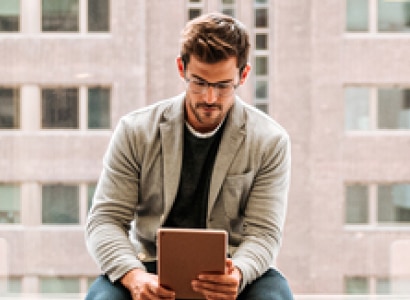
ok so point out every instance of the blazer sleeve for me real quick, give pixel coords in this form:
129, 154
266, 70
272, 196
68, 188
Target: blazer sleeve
265, 212
113, 207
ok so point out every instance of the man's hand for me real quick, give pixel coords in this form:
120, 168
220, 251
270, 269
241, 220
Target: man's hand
143, 285
224, 286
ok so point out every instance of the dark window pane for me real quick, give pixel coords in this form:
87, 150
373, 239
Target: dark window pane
9, 108
261, 41
9, 15
9, 203
60, 15
357, 15
263, 107
394, 109
394, 16
261, 17
356, 209
98, 15
261, 65
60, 204
194, 12
229, 12
261, 1
261, 89
59, 108
99, 108
394, 203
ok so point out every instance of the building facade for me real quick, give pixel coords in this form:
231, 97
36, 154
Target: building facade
335, 74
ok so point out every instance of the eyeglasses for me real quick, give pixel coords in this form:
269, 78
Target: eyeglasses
222, 89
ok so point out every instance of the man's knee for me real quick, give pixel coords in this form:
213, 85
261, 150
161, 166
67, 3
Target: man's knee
270, 286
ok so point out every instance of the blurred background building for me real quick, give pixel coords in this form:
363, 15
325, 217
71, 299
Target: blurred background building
335, 74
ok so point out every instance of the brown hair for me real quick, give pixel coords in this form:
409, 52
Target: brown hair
214, 37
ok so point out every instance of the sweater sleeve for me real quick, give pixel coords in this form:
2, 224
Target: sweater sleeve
265, 213
113, 208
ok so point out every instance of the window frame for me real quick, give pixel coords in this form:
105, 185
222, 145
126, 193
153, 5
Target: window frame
373, 104
262, 103
83, 23
373, 19
373, 223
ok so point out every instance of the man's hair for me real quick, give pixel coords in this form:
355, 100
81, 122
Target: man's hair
215, 37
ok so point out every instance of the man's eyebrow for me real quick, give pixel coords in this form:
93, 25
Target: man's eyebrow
201, 79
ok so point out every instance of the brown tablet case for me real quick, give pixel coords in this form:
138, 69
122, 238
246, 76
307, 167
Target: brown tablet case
184, 253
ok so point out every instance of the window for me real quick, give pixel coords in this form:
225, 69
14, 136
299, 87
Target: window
228, 7
9, 108
98, 15
394, 286
371, 285
394, 203
59, 108
356, 285
261, 65
261, 41
59, 285
368, 108
357, 204
377, 204
9, 15
261, 55
357, 111
357, 15
393, 16
394, 108
99, 108
195, 8
261, 17
10, 285
60, 204
383, 16
61, 15
9, 203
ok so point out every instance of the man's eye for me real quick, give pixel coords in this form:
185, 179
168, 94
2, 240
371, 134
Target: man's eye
200, 83
223, 86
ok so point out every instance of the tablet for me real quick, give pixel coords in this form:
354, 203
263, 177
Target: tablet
184, 253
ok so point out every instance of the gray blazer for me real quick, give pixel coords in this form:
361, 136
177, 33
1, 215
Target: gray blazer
139, 182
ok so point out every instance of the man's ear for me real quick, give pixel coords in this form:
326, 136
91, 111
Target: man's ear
245, 73
180, 66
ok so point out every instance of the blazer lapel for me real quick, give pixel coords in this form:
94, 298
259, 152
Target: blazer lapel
171, 132
231, 140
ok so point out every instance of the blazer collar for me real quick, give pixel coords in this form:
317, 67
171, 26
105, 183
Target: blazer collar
232, 139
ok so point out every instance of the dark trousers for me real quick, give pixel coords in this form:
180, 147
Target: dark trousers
270, 286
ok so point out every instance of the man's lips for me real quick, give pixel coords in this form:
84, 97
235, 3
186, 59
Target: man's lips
209, 107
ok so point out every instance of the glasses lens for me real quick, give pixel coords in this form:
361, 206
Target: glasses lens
201, 87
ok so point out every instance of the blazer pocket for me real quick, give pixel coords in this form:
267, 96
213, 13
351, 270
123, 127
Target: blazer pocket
234, 193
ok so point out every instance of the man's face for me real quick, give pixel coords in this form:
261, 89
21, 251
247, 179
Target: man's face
207, 105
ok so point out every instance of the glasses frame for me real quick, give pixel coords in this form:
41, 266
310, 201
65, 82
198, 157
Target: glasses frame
203, 87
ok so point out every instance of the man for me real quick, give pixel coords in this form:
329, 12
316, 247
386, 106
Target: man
203, 159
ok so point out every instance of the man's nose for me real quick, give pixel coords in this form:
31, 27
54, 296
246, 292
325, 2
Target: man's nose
211, 95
